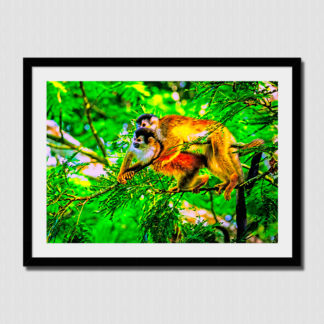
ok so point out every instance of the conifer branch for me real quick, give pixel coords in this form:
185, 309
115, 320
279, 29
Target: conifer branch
96, 194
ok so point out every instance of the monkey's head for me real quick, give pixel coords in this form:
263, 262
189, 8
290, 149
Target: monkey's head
147, 121
145, 145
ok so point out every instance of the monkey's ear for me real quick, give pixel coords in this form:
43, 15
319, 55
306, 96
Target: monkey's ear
154, 121
151, 140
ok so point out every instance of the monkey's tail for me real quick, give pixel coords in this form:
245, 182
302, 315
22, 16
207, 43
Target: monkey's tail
255, 143
254, 169
240, 198
240, 214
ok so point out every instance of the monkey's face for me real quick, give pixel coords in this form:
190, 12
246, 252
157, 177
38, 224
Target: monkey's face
139, 142
145, 146
148, 121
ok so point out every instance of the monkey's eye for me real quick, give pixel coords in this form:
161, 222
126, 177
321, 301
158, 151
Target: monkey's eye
137, 142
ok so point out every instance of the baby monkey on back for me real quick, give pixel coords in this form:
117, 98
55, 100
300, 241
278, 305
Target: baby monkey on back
146, 149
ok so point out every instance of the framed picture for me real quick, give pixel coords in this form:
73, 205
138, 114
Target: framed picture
162, 162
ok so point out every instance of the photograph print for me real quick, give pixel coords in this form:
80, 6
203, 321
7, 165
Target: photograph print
169, 162
162, 162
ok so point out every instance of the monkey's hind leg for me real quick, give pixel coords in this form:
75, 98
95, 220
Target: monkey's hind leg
224, 164
215, 166
184, 180
191, 181
201, 181
220, 187
236, 176
228, 186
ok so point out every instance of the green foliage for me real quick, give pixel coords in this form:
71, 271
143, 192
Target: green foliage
158, 221
200, 233
84, 209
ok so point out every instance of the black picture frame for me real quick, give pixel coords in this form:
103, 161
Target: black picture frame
296, 259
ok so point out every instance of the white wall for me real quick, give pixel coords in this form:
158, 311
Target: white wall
158, 28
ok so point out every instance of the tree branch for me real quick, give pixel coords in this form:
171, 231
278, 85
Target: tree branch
58, 147
88, 114
80, 149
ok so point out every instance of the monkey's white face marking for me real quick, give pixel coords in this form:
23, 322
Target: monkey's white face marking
143, 153
152, 123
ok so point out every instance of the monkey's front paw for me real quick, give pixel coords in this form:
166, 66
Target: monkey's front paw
129, 175
121, 179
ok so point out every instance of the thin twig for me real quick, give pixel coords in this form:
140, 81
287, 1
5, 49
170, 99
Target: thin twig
212, 206
221, 228
61, 125
266, 177
258, 177
77, 222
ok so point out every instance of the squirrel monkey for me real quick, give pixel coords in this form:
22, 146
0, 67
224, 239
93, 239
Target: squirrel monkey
146, 148
220, 152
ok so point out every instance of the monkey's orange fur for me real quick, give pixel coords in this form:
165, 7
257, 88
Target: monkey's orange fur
183, 163
173, 131
218, 152
185, 167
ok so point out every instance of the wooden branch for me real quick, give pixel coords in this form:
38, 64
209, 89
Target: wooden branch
58, 147
88, 114
80, 149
